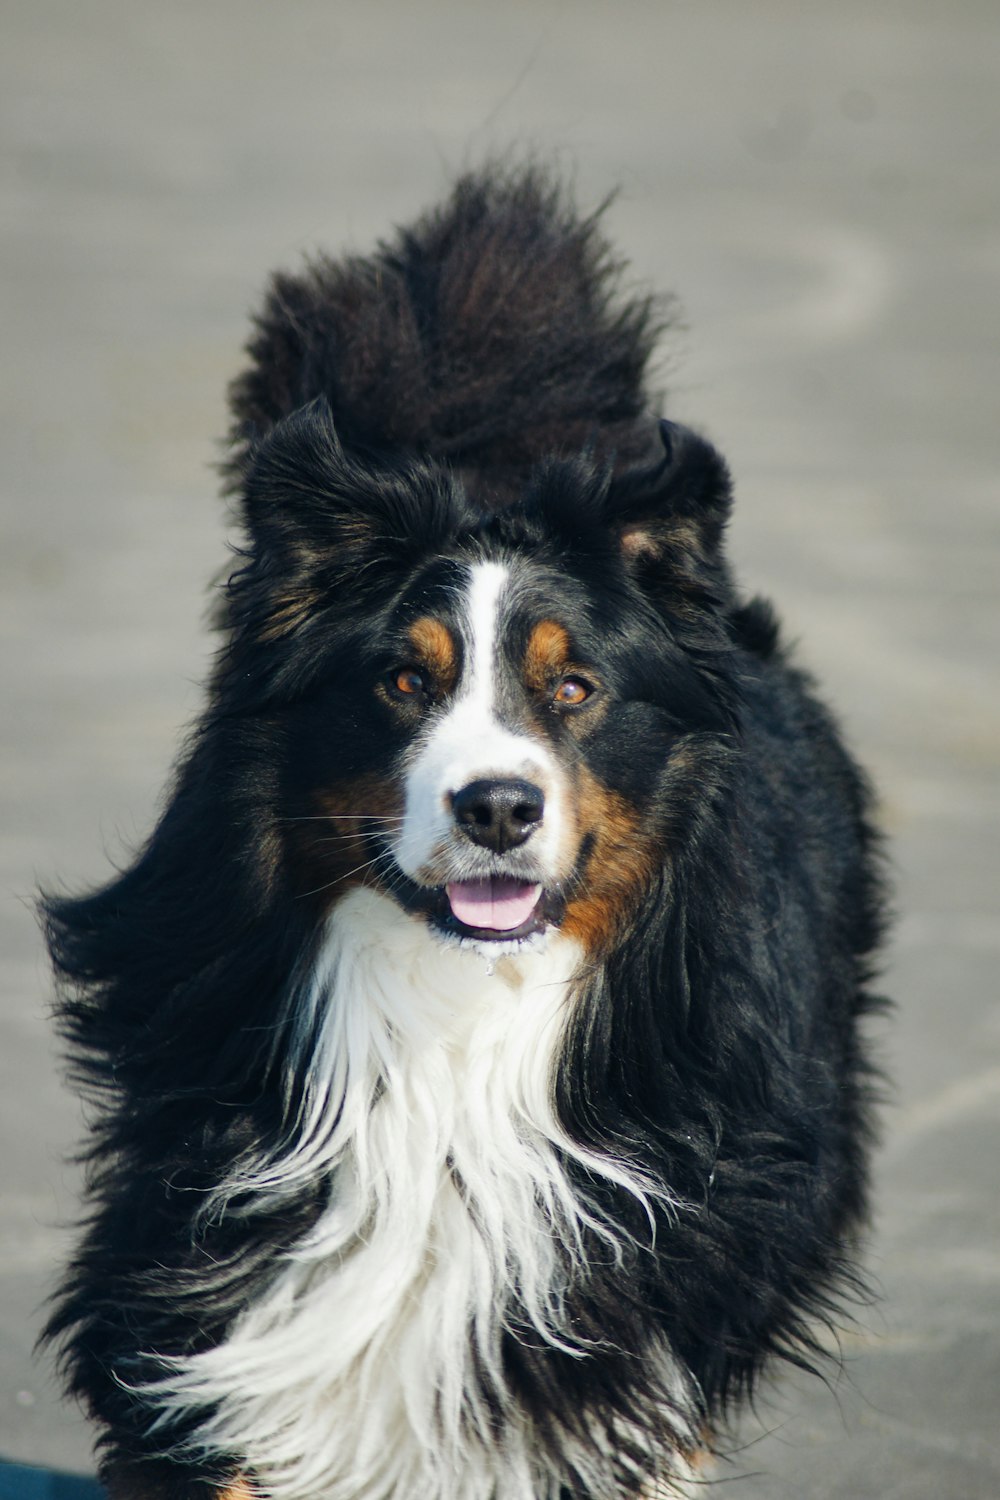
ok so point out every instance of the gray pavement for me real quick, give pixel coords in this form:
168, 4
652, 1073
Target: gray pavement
821, 186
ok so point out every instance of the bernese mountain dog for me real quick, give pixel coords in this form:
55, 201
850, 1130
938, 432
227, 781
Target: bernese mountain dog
475, 1048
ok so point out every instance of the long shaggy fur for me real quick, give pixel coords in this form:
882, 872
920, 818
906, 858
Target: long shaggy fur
385, 1204
492, 334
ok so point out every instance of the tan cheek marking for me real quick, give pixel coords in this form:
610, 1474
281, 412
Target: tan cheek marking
621, 865
325, 841
434, 646
547, 655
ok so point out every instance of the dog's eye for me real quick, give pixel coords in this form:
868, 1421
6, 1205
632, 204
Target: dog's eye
571, 692
409, 682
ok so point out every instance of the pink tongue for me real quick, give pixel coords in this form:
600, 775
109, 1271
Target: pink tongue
500, 905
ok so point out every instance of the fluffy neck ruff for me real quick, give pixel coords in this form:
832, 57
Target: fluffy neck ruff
373, 1367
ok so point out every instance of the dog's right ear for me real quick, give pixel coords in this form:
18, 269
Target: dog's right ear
310, 504
327, 528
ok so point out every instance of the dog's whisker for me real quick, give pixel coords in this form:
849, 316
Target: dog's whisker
353, 817
339, 879
339, 838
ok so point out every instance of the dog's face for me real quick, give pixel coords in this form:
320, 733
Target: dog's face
513, 817
489, 719
485, 695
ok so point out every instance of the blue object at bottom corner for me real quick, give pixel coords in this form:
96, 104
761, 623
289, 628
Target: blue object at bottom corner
25, 1482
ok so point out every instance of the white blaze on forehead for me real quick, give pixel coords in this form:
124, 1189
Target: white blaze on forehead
483, 615
469, 743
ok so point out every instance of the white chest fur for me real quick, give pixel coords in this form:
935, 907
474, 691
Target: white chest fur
428, 1099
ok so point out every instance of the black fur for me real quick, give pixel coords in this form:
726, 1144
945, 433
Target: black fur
486, 380
491, 335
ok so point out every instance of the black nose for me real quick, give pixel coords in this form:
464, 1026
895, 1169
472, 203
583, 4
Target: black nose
499, 815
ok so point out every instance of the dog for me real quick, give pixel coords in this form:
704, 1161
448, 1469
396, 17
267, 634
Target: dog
476, 1046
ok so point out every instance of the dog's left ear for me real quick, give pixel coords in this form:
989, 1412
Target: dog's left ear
677, 507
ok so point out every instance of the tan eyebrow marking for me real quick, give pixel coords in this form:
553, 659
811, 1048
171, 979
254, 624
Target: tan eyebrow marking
547, 655
434, 647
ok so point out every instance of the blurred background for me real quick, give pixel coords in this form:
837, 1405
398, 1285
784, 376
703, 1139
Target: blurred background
821, 188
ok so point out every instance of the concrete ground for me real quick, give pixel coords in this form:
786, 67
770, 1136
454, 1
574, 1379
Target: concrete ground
821, 187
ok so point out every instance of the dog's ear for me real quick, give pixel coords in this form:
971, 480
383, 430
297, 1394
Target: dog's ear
675, 508
298, 487
308, 503
328, 529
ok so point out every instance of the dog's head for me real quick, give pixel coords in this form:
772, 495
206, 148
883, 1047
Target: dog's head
498, 717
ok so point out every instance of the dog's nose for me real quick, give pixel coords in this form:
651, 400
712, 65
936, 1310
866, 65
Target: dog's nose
499, 815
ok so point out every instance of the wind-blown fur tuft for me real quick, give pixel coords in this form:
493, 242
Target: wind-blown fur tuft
476, 1049
493, 333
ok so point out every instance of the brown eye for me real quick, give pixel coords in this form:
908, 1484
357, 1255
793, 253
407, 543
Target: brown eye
571, 692
409, 681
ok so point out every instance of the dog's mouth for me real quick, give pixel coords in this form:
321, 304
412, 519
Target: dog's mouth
485, 908
494, 907
490, 909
